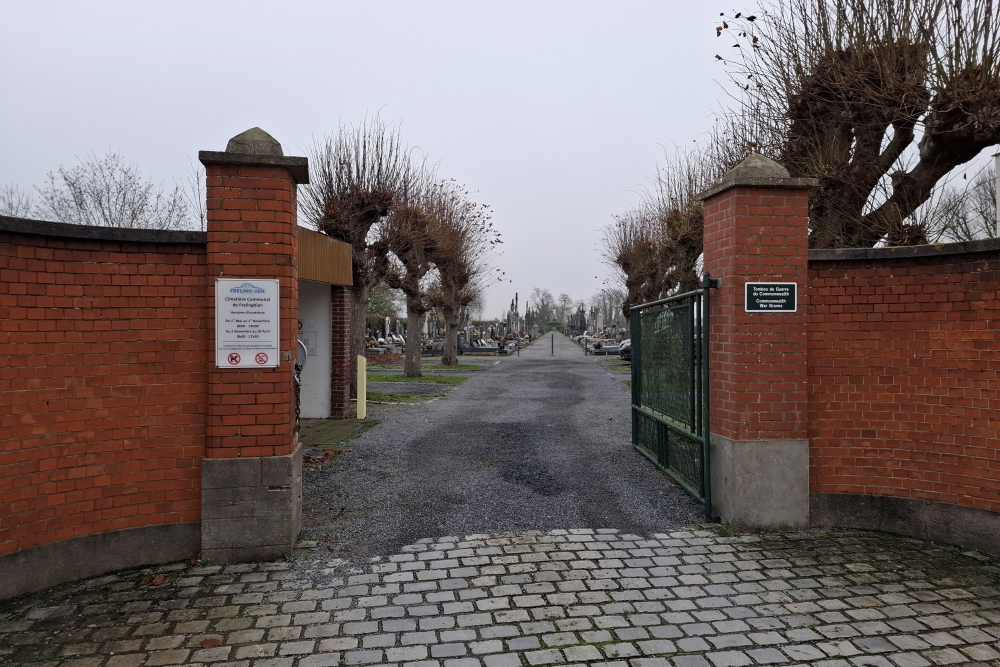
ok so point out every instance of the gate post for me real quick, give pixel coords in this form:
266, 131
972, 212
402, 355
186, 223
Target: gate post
252, 470
756, 231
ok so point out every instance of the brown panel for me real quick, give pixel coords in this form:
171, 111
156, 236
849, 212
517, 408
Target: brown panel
323, 259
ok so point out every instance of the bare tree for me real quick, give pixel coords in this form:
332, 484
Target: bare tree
15, 202
544, 304
564, 306
878, 99
957, 214
410, 234
193, 189
109, 192
357, 176
609, 302
630, 247
465, 240
654, 248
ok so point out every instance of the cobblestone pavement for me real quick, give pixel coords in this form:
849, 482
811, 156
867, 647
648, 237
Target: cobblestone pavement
579, 597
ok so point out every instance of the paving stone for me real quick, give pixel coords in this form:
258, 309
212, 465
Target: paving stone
908, 660
362, 657
338, 644
120, 660
274, 662
173, 657
256, 651
88, 662
284, 634
504, 660
463, 662
296, 648
546, 657
729, 658
448, 650
216, 654
320, 660
691, 597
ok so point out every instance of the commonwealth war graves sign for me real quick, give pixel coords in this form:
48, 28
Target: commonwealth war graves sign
247, 323
771, 297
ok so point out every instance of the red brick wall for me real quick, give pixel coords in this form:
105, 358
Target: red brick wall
758, 361
252, 234
904, 393
340, 381
105, 352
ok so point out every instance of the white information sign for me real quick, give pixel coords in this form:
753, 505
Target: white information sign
247, 323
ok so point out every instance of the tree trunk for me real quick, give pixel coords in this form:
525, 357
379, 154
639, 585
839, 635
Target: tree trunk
359, 310
414, 339
450, 357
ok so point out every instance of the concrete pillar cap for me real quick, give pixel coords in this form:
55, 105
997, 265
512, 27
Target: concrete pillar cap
758, 171
755, 165
254, 141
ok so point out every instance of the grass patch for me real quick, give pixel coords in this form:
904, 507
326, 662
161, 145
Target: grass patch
382, 397
333, 433
426, 379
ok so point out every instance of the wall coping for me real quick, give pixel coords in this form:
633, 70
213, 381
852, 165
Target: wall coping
95, 233
904, 252
299, 166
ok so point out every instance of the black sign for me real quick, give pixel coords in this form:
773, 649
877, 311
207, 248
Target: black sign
771, 298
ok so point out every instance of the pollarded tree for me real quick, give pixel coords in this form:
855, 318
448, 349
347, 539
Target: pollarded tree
465, 240
630, 246
411, 235
878, 99
654, 248
357, 176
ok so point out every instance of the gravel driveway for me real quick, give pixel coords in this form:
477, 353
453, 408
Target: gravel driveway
538, 441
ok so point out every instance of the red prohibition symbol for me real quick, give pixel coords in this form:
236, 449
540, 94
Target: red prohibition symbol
234, 359
261, 358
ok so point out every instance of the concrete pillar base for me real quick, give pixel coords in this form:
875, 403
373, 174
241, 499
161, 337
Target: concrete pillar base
761, 483
251, 508
969, 527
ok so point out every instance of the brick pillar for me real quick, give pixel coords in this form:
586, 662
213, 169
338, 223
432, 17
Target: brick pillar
252, 471
340, 363
756, 230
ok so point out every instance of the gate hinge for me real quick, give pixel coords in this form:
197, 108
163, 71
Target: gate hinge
710, 283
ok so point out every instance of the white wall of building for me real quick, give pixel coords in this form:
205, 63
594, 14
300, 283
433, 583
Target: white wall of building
314, 313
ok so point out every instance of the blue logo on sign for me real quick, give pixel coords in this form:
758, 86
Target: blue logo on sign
247, 288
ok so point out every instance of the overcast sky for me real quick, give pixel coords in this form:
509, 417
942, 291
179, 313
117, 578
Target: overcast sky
554, 113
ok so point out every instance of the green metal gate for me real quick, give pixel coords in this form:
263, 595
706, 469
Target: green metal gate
670, 387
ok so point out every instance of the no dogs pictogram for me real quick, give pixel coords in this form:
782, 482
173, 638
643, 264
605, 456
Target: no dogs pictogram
261, 358
234, 358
